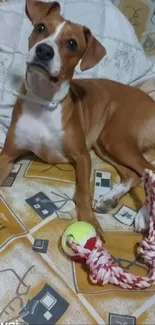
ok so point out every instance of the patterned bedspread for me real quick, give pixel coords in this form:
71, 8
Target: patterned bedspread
38, 283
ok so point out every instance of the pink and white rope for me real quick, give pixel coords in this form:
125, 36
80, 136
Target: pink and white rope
102, 268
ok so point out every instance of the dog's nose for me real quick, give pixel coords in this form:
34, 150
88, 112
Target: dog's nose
44, 52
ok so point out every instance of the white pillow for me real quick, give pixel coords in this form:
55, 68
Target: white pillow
125, 60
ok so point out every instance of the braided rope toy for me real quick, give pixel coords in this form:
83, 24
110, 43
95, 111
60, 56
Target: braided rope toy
81, 243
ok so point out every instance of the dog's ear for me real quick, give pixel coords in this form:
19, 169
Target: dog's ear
37, 10
94, 52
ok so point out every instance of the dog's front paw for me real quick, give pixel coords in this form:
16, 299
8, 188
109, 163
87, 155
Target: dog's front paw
104, 205
89, 217
142, 220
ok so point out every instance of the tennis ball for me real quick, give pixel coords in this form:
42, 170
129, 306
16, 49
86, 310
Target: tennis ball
84, 235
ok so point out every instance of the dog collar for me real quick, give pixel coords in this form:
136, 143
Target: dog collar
51, 106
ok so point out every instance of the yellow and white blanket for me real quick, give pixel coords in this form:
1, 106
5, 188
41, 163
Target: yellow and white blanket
38, 283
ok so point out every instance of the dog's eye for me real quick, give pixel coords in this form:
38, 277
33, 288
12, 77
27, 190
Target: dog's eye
71, 45
40, 28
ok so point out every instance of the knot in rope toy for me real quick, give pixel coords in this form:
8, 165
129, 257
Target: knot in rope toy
81, 243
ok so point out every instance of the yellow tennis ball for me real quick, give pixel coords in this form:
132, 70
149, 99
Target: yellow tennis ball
84, 235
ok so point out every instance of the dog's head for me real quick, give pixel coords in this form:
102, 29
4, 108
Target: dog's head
57, 45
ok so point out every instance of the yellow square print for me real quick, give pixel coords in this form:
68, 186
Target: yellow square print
60, 172
129, 303
147, 312
137, 13
10, 226
26, 279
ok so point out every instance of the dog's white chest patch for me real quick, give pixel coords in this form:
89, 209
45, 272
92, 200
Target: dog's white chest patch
39, 129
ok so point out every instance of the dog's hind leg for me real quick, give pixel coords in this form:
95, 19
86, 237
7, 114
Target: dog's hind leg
6, 166
129, 179
7, 157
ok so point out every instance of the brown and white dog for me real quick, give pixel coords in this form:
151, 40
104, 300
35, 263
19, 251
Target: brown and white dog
60, 119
